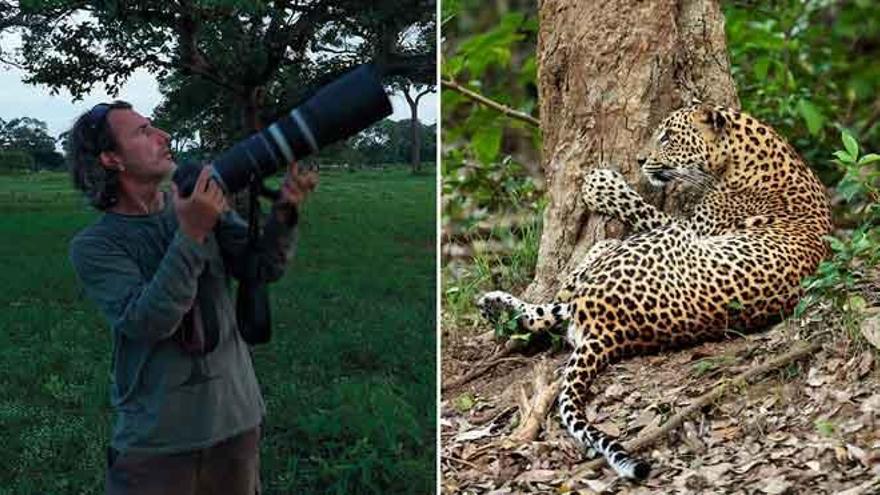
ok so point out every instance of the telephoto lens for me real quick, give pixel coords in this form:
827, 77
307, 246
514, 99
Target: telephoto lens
337, 111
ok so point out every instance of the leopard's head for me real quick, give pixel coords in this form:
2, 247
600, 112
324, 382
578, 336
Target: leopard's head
689, 145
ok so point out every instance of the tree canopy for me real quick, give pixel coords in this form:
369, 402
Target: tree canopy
225, 67
25, 144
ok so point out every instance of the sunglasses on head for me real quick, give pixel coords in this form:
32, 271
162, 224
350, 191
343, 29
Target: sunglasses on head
97, 115
94, 121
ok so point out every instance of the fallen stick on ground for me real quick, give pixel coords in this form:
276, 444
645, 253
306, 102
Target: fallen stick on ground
717, 392
461, 461
486, 365
533, 411
483, 419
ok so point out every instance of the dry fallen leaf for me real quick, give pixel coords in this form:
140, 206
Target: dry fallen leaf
871, 404
747, 467
814, 379
714, 473
646, 417
871, 330
609, 428
776, 485
614, 391
726, 433
537, 476
866, 363
858, 454
474, 434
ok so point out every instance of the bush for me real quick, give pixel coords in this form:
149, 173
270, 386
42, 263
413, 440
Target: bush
855, 256
15, 161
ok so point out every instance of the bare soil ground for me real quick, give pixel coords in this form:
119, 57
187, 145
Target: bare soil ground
812, 426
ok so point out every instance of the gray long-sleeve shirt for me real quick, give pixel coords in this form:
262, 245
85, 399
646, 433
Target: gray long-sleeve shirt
144, 274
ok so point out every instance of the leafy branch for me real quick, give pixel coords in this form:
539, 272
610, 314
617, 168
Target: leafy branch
514, 114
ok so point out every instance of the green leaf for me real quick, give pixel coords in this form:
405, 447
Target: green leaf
850, 187
464, 402
812, 116
803, 305
825, 427
453, 66
486, 144
450, 8
525, 337
761, 67
844, 157
704, 366
852, 147
492, 47
869, 158
861, 245
857, 303
836, 244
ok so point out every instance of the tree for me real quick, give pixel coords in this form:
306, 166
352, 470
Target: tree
608, 74
413, 101
31, 137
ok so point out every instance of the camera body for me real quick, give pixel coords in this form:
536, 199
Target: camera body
335, 112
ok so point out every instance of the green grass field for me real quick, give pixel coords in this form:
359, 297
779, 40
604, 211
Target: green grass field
349, 377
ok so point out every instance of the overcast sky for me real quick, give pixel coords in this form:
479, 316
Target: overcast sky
59, 111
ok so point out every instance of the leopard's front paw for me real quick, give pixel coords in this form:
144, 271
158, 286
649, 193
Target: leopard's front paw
602, 190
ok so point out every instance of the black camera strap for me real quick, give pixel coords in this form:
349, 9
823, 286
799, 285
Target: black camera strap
252, 302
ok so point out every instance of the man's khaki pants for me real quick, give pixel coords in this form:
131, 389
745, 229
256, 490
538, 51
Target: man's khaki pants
230, 467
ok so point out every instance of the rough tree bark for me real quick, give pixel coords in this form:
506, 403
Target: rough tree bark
608, 73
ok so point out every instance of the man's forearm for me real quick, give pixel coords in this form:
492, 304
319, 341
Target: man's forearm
270, 253
156, 311
138, 308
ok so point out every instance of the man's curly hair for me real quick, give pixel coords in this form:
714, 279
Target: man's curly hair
86, 140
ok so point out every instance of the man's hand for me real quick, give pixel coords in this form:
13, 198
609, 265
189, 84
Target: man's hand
198, 213
296, 188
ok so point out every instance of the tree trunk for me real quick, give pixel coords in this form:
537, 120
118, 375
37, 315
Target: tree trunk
415, 151
416, 139
251, 103
609, 72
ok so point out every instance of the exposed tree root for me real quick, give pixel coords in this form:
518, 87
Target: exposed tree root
534, 411
647, 438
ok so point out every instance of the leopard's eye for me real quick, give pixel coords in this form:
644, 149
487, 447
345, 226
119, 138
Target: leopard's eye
664, 136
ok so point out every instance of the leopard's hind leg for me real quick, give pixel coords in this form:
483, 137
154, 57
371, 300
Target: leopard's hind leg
531, 317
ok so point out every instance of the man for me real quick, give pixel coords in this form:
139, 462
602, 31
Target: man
188, 407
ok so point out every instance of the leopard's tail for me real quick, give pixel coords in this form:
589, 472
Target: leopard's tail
531, 317
572, 404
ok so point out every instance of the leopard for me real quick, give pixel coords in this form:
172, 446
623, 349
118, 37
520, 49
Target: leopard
733, 264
